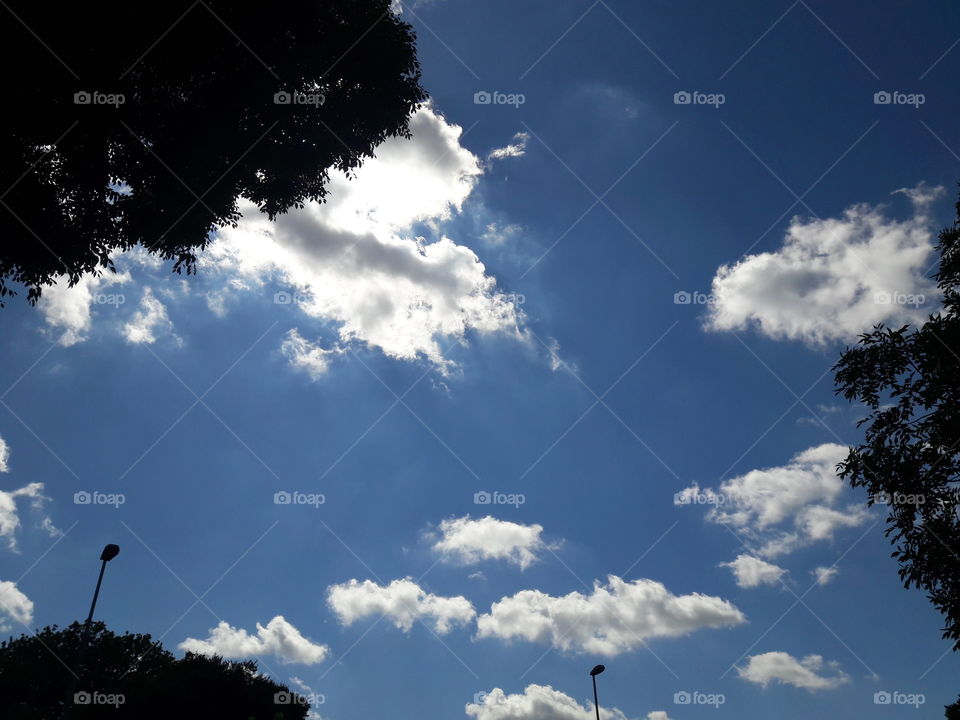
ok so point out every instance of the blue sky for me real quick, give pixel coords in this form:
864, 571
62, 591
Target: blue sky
620, 317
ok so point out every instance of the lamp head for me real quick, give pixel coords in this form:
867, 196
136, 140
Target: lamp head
110, 552
597, 670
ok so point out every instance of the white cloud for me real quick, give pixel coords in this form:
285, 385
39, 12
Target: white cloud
67, 309
752, 572
537, 702
782, 508
657, 715
471, 541
14, 605
10, 519
278, 638
613, 619
823, 575
781, 667
146, 322
4, 456
307, 356
517, 148
354, 259
833, 278
402, 601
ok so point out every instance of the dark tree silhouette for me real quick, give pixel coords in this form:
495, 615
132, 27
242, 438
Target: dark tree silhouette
86, 671
909, 378
142, 123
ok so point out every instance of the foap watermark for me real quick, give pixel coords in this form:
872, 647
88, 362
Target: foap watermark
292, 698
95, 497
295, 497
289, 297
496, 97
695, 97
298, 98
695, 697
480, 698
697, 497
682, 297
895, 97
899, 298
99, 98
899, 498
496, 497
895, 697
98, 698
108, 299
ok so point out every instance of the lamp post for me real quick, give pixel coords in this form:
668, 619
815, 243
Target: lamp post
109, 553
593, 674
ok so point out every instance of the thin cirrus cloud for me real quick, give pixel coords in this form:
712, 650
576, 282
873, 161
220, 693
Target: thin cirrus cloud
833, 278
809, 673
780, 509
751, 572
277, 638
355, 263
468, 542
614, 618
403, 601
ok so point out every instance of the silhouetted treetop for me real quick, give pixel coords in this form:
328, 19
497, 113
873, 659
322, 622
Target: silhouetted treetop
142, 123
87, 671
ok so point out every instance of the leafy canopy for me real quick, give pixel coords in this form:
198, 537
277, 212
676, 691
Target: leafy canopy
143, 123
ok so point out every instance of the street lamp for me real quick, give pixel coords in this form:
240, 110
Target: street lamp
593, 673
109, 553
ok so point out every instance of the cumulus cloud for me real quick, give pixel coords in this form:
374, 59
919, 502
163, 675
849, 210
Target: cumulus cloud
517, 148
67, 309
309, 357
402, 601
148, 321
4, 456
536, 702
823, 575
278, 638
783, 668
14, 605
780, 509
470, 541
833, 278
616, 617
355, 262
751, 572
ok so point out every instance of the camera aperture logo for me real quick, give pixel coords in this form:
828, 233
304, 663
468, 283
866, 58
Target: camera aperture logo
499, 98
895, 697
95, 497
895, 97
295, 497
98, 698
298, 98
498, 498
99, 98
684, 697
695, 97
